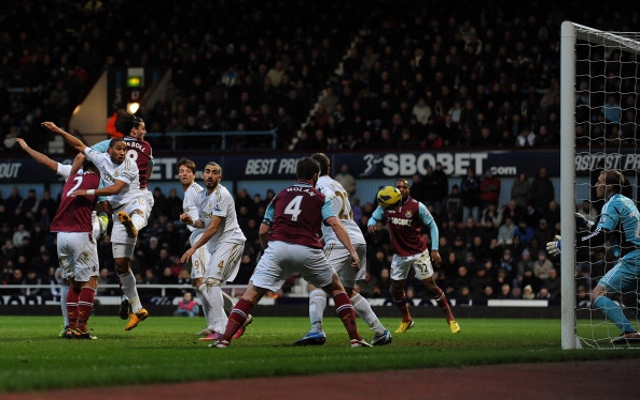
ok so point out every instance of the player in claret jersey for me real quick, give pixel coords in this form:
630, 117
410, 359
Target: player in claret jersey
339, 258
290, 235
72, 208
410, 250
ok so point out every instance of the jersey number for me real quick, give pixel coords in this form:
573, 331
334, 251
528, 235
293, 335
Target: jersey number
78, 181
345, 212
293, 208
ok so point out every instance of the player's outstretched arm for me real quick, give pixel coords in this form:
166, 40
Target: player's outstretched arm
69, 138
116, 188
37, 156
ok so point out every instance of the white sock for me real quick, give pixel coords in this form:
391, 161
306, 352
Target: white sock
64, 290
218, 317
364, 311
138, 221
317, 304
95, 223
130, 290
203, 300
202, 289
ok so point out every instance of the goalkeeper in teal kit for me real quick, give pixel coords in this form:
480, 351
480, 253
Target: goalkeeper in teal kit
619, 224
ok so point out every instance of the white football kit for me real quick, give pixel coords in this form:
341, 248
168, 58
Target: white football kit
200, 258
336, 253
226, 247
129, 199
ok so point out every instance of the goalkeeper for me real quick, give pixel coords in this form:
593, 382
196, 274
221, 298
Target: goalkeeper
619, 224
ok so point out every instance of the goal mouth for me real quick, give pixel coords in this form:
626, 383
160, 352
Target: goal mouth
599, 123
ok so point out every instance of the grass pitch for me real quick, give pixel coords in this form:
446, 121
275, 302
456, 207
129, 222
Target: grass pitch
162, 349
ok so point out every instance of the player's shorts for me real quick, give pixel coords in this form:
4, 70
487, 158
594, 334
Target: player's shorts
420, 262
118, 232
339, 258
200, 258
78, 255
280, 260
224, 263
148, 196
122, 250
623, 277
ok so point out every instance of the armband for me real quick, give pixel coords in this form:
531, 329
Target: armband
91, 192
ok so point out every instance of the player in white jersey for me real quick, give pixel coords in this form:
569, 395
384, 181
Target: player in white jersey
135, 218
199, 259
124, 192
100, 224
224, 241
339, 258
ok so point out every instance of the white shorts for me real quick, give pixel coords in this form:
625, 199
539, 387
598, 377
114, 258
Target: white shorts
118, 232
224, 263
200, 258
339, 258
280, 260
78, 255
421, 263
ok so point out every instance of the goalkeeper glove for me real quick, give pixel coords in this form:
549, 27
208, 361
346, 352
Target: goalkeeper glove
554, 248
582, 221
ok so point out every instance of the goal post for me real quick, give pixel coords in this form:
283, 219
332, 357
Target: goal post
567, 182
603, 68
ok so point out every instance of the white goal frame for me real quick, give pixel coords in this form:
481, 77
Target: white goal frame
569, 35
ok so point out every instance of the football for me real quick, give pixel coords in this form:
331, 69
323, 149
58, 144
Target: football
388, 197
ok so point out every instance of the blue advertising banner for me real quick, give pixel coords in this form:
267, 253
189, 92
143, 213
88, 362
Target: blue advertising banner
362, 165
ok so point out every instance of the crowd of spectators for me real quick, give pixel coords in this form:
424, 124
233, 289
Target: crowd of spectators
326, 76
497, 253
330, 76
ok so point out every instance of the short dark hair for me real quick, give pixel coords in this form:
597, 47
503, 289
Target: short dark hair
187, 163
114, 141
324, 162
306, 168
89, 166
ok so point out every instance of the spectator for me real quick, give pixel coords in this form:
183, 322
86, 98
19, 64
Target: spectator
19, 235
453, 204
524, 232
173, 205
492, 213
30, 203
521, 190
543, 232
527, 293
105, 277
529, 279
505, 292
479, 282
187, 306
542, 265
552, 284
489, 189
507, 265
346, 179
385, 283
32, 278
542, 190
470, 195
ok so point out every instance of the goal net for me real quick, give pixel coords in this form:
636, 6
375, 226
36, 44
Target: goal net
599, 124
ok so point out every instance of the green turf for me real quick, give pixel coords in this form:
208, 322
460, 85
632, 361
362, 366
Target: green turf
162, 349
